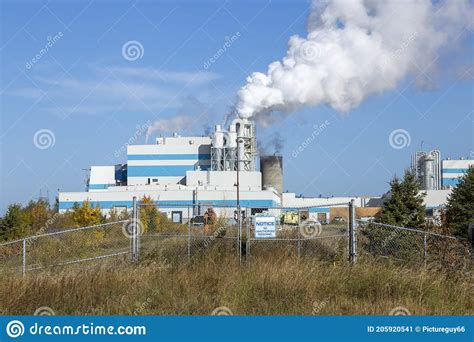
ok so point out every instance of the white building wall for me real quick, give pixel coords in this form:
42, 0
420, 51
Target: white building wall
168, 160
436, 198
101, 177
251, 180
169, 200
452, 170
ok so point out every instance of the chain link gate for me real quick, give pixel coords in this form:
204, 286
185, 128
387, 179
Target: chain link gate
179, 232
298, 232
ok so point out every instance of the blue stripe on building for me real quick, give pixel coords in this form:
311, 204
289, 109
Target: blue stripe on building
454, 170
200, 156
175, 204
98, 186
162, 170
450, 181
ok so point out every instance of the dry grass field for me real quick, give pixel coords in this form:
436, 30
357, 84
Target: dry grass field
266, 286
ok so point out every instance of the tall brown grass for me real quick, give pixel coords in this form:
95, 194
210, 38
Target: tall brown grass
265, 286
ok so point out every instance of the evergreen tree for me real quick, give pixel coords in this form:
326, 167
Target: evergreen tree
404, 205
460, 206
14, 224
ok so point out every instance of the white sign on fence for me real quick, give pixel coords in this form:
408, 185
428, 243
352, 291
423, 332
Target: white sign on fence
265, 227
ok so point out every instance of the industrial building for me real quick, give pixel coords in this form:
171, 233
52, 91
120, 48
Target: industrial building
198, 172
437, 177
181, 171
436, 174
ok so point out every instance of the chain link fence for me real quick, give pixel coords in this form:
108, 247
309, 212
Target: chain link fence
176, 234
296, 232
65, 247
412, 246
180, 233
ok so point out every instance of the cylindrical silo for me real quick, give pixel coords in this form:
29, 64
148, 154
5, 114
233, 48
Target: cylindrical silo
271, 168
429, 173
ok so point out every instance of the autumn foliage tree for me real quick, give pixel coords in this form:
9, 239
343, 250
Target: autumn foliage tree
86, 215
150, 217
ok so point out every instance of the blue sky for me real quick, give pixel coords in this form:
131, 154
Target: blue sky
92, 99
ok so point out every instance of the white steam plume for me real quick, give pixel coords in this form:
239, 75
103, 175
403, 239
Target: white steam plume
355, 49
174, 124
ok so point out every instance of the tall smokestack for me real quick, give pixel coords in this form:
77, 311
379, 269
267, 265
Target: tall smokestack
271, 168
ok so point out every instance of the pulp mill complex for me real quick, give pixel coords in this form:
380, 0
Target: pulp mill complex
201, 171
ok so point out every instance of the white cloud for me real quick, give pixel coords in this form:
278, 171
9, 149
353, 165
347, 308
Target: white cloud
115, 89
184, 77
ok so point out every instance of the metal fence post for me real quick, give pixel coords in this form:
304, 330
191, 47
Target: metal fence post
352, 233
139, 231
249, 223
299, 236
24, 258
425, 247
189, 234
239, 238
134, 230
